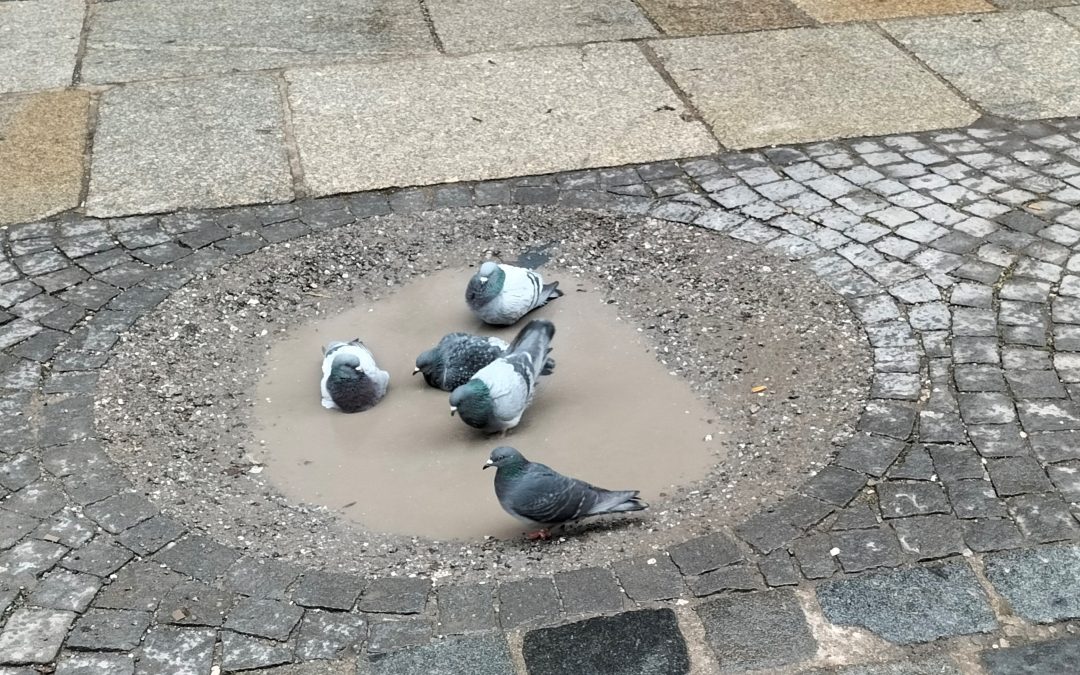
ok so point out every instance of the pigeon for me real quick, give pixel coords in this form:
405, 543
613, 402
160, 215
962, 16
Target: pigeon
540, 496
351, 381
502, 294
496, 396
458, 357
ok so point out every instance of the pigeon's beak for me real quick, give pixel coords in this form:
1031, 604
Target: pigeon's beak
483, 280
415, 371
488, 464
453, 410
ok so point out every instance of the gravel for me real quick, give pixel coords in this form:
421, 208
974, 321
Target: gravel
176, 400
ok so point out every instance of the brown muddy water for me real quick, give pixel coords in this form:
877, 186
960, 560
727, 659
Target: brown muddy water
611, 414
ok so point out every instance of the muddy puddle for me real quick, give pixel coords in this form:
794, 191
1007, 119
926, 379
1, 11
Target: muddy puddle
611, 414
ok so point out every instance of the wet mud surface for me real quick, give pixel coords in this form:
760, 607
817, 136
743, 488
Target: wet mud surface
178, 405
610, 414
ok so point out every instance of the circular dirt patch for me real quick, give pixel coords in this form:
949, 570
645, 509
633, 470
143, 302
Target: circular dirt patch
724, 316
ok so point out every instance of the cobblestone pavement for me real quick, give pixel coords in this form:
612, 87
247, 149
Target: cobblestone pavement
942, 538
143, 106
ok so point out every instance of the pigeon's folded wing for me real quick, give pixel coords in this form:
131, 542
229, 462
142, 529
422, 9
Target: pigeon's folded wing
510, 392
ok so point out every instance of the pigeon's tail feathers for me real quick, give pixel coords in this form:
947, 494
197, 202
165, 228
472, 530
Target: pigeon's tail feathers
549, 366
616, 501
534, 337
533, 340
549, 292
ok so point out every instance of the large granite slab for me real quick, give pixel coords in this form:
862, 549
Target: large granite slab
485, 116
831, 11
808, 84
706, 17
189, 144
42, 141
1040, 584
476, 25
1016, 64
146, 39
642, 642
38, 43
754, 631
911, 605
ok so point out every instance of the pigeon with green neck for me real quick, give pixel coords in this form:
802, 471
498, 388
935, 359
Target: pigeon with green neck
495, 398
501, 294
540, 496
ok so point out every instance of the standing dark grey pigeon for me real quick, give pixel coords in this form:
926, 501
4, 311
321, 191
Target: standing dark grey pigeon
351, 381
459, 356
540, 496
495, 398
501, 294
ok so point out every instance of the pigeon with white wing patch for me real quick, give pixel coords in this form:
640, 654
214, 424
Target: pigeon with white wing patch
351, 380
501, 294
494, 399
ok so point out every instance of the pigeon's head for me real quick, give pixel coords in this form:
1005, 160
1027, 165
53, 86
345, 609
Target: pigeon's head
432, 365
472, 401
332, 347
504, 456
490, 278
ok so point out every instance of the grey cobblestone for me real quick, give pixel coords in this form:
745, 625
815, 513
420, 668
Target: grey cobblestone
108, 629
527, 602
33, 635
264, 618
464, 608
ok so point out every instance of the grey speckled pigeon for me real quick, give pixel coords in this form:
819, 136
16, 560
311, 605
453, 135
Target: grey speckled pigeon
540, 496
351, 381
495, 398
502, 294
459, 356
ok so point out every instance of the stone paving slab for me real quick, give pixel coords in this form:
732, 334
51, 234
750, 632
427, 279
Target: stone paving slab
757, 630
1070, 14
698, 17
170, 145
474, 25
1058, 656
42, 141
647, 641
485, 116
139, 40
38, 43
1040, 585
912, 605
1023, 64
833, 11
477, 655
823, 83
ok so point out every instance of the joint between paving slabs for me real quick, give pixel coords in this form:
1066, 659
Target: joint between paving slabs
84, 32
292, 151
430, 23
648, 17
88, 144
880, 30
702, 659
998, 605
695, 115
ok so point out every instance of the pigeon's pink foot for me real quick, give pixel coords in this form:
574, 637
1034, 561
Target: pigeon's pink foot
543, 534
